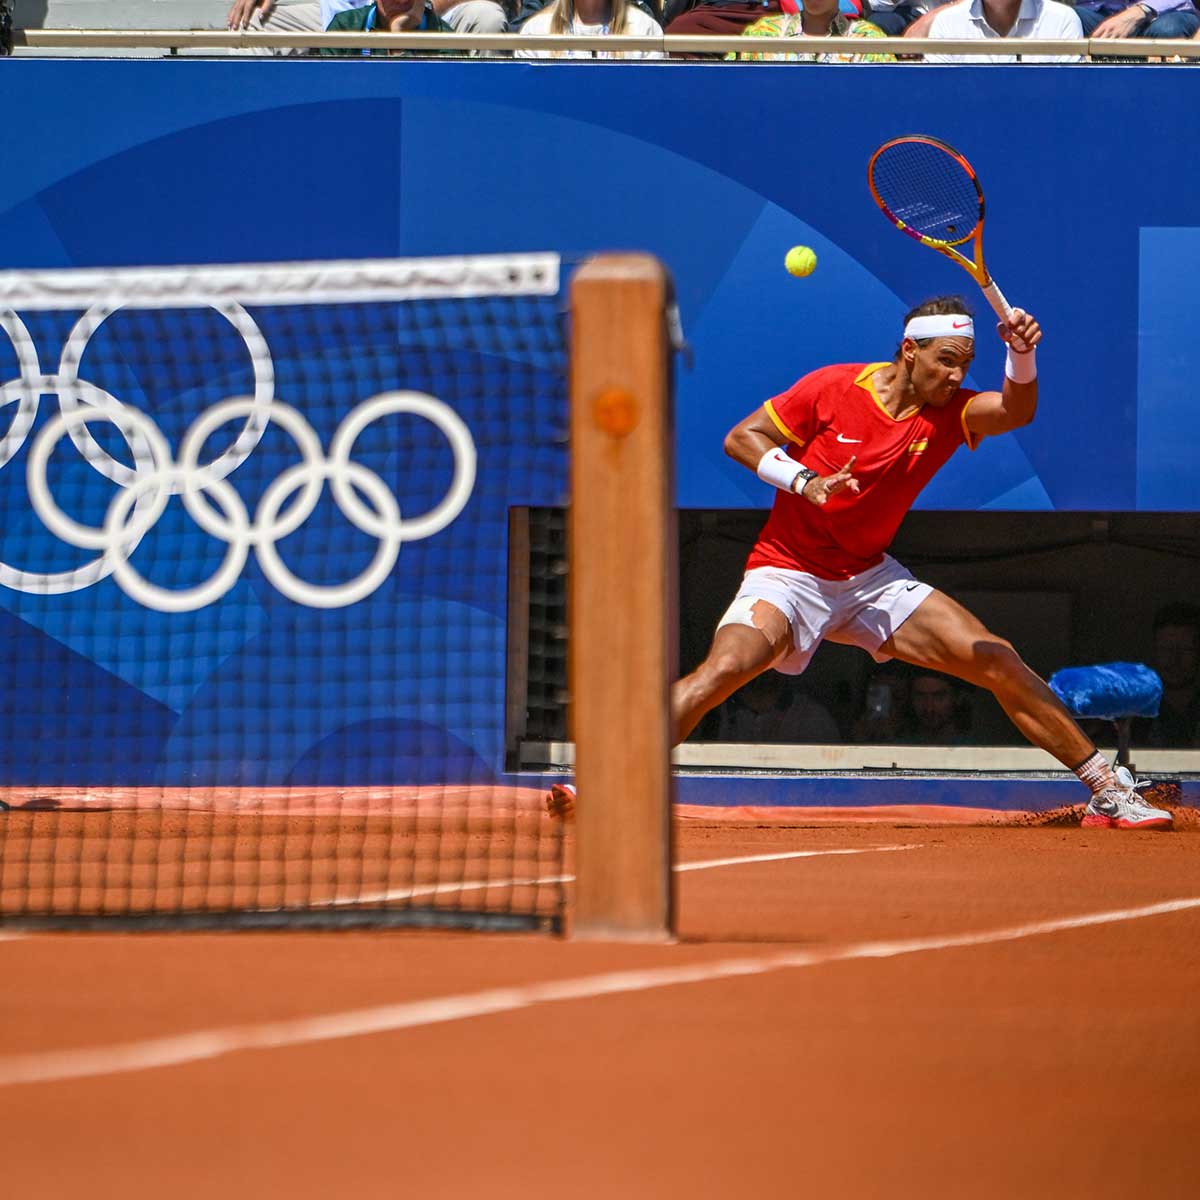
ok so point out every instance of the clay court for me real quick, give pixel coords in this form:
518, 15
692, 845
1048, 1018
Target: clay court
853, 1009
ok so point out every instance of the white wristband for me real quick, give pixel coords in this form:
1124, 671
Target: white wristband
1021, 368
778, 468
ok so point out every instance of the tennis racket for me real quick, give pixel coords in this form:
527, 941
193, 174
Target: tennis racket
930, 192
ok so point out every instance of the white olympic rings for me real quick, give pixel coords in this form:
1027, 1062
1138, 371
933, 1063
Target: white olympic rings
210, 500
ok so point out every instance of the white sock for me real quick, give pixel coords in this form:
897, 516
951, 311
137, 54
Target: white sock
1096, 773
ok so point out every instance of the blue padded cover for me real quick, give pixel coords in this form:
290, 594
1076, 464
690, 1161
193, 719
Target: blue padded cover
1109, 691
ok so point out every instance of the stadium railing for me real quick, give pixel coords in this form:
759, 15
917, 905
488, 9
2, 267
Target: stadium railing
1101, 49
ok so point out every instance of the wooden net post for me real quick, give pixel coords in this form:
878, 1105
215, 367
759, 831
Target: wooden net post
623, 583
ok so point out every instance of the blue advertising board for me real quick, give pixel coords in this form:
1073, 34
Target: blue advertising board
716, 169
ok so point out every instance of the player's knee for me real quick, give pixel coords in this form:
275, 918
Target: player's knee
997, 664
724, 667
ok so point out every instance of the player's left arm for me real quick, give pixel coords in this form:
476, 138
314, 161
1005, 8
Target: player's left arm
992, 413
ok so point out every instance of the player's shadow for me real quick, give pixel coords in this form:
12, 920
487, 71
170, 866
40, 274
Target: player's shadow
54, 804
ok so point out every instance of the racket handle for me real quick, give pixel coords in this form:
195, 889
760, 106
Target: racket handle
995, 297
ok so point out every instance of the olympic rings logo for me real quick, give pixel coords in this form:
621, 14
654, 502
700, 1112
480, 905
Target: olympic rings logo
211, 501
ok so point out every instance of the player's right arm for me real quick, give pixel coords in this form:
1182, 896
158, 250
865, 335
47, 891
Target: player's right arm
760, 445
751, 438
992, 413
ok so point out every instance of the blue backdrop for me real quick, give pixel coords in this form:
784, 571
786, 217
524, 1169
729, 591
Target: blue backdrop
1094, 224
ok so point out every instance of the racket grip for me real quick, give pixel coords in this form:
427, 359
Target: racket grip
995, 297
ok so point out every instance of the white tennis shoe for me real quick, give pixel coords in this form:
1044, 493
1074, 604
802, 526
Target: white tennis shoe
1121, 807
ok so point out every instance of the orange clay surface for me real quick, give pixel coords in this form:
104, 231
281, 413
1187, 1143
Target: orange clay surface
1056, 1062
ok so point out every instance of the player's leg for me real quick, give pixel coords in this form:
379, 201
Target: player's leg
941, 635
750, 638
754, 634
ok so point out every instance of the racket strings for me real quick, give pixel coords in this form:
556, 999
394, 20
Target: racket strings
928, 190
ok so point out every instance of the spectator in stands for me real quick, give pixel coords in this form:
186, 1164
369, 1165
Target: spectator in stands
594, 18
817, 18
267, 16
895, 16
1009, 19
387, 16
1177, 661
920, 26
1145, 19
941, 715
886, 716
477, 16
715, 18
774, 708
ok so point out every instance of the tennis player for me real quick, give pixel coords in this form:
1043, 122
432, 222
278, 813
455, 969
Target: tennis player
849, 449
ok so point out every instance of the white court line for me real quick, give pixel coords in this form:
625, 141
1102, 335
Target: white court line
436, 889
208, 1044
705, 864
473, 885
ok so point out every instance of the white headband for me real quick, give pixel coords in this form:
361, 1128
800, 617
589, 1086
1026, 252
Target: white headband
940, 325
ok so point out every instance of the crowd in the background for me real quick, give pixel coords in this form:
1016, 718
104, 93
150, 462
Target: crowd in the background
898, 706
955, 19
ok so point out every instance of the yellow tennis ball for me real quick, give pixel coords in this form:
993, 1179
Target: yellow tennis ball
800, 260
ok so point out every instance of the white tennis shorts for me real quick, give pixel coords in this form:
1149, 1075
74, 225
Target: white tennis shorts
864, 611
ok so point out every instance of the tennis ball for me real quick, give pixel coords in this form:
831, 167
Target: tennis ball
800, 260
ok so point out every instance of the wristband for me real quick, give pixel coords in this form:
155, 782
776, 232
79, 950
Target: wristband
1021, 368
779, 469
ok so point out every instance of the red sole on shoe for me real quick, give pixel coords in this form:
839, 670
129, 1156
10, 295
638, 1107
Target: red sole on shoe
1099, 821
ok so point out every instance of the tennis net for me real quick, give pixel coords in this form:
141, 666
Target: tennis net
253, 582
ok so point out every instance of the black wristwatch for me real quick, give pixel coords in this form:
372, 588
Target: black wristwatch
802, 479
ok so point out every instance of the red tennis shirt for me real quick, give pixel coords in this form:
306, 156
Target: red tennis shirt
832, 415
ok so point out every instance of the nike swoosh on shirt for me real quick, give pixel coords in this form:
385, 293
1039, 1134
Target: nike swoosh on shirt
857, 441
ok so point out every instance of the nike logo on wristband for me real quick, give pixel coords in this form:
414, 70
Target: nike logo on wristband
856, 441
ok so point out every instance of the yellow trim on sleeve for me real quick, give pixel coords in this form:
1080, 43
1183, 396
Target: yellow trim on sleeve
778, 423
971, 438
